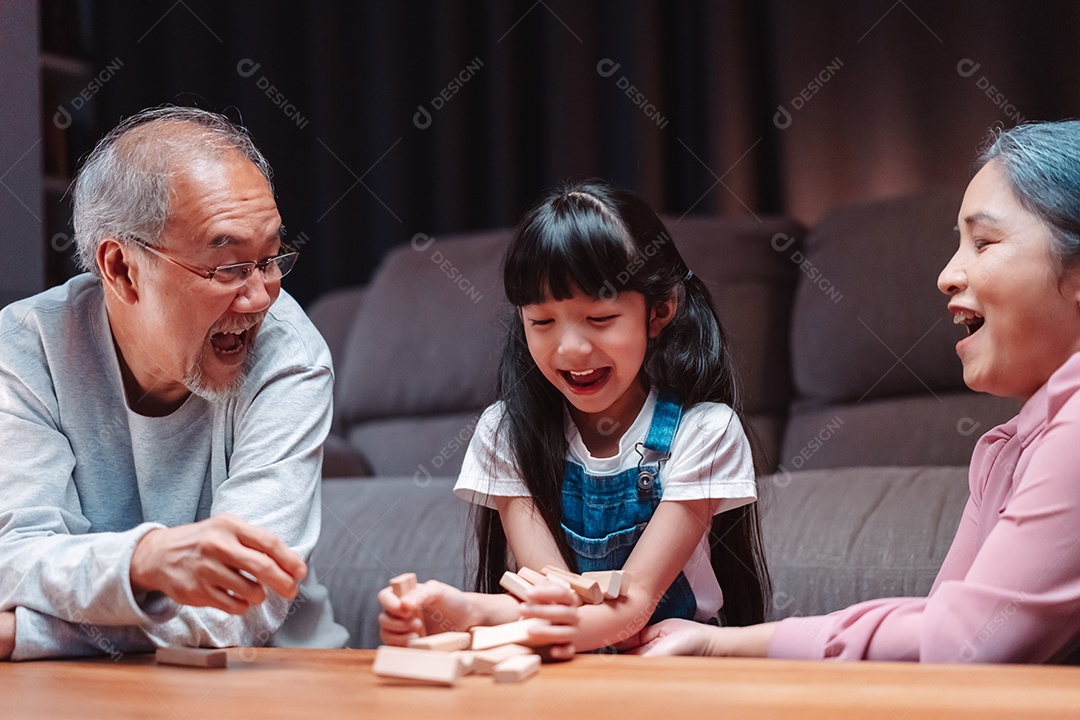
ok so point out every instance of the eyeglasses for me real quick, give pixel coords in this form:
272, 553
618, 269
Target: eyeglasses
234, 276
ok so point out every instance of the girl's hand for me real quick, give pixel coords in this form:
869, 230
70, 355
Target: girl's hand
436, 607
559, 605
433, 606
683, 637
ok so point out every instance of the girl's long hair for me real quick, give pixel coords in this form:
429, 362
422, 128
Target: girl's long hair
604, 240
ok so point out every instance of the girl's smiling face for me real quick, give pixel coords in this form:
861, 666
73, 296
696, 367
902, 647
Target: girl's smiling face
592, 349
1022, 314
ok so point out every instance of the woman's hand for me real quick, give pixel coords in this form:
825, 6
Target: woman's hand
683, 637
675, 637
430, 608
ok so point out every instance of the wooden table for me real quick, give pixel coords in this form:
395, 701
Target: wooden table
329, 684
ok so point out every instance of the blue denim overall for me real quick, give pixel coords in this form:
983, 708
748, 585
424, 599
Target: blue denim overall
604, 515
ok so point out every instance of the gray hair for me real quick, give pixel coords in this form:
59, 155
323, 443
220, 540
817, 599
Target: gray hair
1042, 164
122, 190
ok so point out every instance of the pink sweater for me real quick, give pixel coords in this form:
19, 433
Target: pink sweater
1009, 589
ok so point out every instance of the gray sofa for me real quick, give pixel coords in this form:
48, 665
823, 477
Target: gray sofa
852, 390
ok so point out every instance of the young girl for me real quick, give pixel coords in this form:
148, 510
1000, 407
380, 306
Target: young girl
1009, 589
615, 442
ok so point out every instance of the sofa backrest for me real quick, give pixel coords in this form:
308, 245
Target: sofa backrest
420, 360
417, 363
877, 378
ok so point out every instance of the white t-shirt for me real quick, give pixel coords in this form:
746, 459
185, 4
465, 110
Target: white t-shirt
710, 458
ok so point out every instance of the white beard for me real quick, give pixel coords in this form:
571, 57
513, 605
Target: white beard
197, 383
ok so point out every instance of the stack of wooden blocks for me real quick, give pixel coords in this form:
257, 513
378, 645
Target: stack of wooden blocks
504, 651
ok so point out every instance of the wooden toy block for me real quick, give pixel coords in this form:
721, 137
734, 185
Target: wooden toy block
443, 642
588, 590
517, 669
192, 657
551, 569
403, 583
484, 661
485, 637
586, 577
531, 576
467, 660
515, 585
422, 666
613, 583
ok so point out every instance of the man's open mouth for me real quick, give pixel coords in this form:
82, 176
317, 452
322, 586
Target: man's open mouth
229, 343
235, 336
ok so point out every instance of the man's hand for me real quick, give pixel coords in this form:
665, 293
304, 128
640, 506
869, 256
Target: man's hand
222, 562
7, 634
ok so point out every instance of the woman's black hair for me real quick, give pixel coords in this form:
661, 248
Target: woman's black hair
604, 240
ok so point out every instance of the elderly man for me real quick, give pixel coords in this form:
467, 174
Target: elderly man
162, 417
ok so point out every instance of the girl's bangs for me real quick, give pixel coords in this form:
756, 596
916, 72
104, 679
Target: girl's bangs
553, 258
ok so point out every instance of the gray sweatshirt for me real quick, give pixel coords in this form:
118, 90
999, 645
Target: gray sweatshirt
83, 479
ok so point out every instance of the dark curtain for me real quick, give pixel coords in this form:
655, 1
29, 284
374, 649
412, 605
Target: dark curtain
922, 82
683, 101
387, 119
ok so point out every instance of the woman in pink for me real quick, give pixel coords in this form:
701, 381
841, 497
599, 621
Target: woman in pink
1009, 589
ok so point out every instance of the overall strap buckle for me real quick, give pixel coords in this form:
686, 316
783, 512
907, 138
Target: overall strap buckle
665, 421
646, 477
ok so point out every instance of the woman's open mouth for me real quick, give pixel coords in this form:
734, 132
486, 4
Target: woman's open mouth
970, 319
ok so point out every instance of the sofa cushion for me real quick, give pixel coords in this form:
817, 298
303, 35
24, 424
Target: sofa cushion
333, 314
429, 333
834, 538
939, 429
876, 374
869, 321
432, 446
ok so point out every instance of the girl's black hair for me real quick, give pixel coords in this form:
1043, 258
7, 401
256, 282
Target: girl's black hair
604, 240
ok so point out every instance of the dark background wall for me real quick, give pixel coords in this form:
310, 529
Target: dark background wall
387, 119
